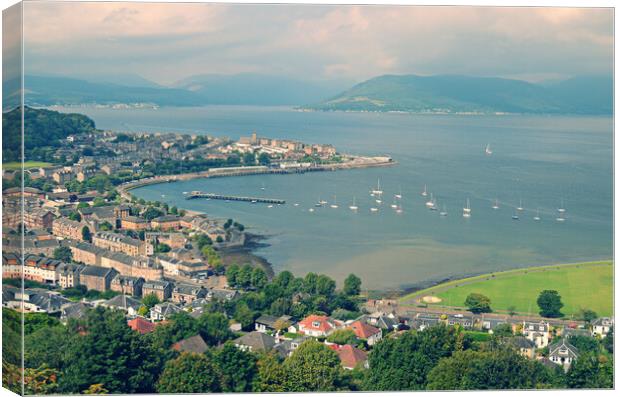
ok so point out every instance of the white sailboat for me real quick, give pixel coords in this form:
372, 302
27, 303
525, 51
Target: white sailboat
335, 204
433, 207
394, 205
560, 218
400, 193
263, 186
378, 189
496, 205
374, 209
537, 217
424, 193
353, 207
467, 210
487, 150
515, 216
399, 210
311, 210
430, 202
520, 207
443, 211
562, 209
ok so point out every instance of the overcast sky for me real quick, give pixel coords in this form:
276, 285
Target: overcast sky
167, 42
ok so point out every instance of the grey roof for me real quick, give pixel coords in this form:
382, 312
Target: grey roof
166, 309
193, 344
187, 289
127, 280
563, 349
75, 310
270, 321
123, 302
521, 342
603, 321
97, 271
155, 284
257, 341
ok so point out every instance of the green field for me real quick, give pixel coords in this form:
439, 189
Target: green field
15, 165
585, 285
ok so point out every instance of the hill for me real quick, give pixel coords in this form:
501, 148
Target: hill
42, 129
257, 89
453, 93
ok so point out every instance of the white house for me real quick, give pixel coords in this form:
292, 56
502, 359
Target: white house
563, 353
537, 333
601, 326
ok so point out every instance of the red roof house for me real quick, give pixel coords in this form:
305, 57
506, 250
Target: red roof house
141, 325
366, 331
350, 357
315, 325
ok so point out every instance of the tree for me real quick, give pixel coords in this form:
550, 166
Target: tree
46, 347
110, 353
150, 300
608, 341
259, 278
105, 226
86, 234
152, 213
584, 343
63, 254
75, 216
231, 274
503, 330
403, 363
325, 286
591, 371
587, 315
343, 337
244, 315
550, 303
264, 159
237, 369
497, 369
313, 367
512, 310
213, 327
271, 374
189, 373
352, 285
478, 303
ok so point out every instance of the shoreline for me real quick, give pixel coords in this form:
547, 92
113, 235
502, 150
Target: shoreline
241, 255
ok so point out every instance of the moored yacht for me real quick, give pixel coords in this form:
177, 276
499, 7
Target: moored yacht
467, 210
496, 205
424, 193
353, 207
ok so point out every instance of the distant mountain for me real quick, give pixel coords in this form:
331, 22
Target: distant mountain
453, 93
256, 89
41, 90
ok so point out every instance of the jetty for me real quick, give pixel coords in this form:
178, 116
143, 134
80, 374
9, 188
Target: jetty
214, 196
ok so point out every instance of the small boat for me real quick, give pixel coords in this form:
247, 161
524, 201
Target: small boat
424, 193
443, 211
467, 210
394, 205
496, 205
537, 217
378, 189
270, 206
184, 192
320, 203
353, 207
335, 204
562, 209
311, 210
296, 204
262, 187
430, 202
399, 210
520, 207
487, 150
378, 201
515, 217
560, 219
374, 209
254, 201
400, 193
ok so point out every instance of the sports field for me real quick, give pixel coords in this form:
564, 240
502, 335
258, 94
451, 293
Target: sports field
584, 285
15, 165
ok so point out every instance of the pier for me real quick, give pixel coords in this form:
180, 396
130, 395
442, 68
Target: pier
213, 196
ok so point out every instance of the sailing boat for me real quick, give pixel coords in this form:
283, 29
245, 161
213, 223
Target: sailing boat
515, 216
487, 150
467, 210
430, 202
374, 209
394, 205
353, 207
378, 189
335, 204
520, 207
561, 209
443, 212
319, 203
263, 187
399, 209
424, 192
400, 193
433, 206
537, 217
496, 205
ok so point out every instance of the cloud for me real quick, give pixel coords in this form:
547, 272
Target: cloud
166, 42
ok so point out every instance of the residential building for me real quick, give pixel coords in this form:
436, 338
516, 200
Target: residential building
69, 275
350, 357
162, 311
116, 242
125, 303
563, 353
135, 223
127, 285
366, 332
186, 294
166, 222
193, 344
97, 278
66, 228
602, 326
526, 347
255, 342
142, 325
316, 325
161, 289
537, 333
267, 323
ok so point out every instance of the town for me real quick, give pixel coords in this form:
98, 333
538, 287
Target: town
101, 266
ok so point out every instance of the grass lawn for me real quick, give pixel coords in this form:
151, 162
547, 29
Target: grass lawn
16, 165
586, 285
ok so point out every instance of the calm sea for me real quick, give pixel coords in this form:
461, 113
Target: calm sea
538, 160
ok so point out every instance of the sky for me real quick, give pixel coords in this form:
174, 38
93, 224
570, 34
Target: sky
168, 42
